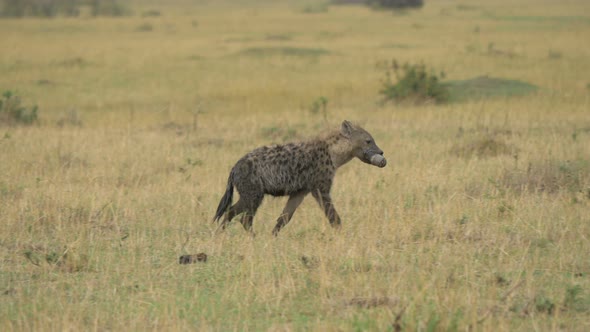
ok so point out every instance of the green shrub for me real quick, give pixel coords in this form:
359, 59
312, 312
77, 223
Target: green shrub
151, 13
108, 8
391, 4
279, 133
414, 82
576, 300
544, 304
283, 51
348, 2
11, 111
320, 105
396, 4
145, 27
45, 8
315, 8
20, 8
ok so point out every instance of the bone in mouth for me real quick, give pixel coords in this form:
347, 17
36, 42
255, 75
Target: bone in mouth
378, 160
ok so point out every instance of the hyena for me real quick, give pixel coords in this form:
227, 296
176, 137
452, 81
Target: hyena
295, 170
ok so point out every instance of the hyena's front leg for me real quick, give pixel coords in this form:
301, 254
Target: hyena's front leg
292, 204
325, 201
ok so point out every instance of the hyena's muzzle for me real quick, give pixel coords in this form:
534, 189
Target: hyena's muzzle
374, 156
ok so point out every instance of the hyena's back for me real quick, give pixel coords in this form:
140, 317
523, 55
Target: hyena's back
287, 169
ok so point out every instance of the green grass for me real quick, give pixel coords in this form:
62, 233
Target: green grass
483, 87
543, 19
397, 46
283, 51
479, 221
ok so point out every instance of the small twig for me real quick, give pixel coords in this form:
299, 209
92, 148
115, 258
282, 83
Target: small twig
186, 241
397, 327
502, 299
28, 256
97, 214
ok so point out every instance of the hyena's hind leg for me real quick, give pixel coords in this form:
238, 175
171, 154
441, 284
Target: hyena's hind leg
233, 211
247, 204
288, 211
251, 206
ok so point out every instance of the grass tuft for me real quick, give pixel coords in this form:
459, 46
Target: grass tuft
279, 134
483, 148
550, 176
13, 113
315, 8
283, 51
101, 199
145, 27
73, 62
413, 82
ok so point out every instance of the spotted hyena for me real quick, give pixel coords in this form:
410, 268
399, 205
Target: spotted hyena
295, 170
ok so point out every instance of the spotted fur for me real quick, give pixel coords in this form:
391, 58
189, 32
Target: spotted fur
294, 170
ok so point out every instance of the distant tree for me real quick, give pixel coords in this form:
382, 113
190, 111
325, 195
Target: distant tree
43, 8
349, 2
396, 3
12, 8
51, 8
108, 8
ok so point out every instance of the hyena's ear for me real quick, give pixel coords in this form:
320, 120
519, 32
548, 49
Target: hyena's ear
347, 128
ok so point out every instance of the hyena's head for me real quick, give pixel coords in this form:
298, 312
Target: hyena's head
363, 144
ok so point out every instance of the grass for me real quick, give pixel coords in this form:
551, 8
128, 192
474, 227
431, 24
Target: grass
135, 139
283, 51
487, 87
483, 147
551, 176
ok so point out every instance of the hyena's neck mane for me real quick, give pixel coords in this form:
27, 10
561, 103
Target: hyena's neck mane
339, 147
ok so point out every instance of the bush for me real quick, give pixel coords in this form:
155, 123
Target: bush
348, 2
108, 8
414, 83
20, 8
315, 8
51, 8
396, 4
11, 111
151, 13
320, 105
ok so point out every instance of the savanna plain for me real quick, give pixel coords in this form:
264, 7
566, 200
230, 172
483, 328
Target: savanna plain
480, 221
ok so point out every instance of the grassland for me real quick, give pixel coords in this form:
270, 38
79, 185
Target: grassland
480, 221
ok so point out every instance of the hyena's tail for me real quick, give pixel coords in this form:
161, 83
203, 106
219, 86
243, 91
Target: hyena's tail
227, 198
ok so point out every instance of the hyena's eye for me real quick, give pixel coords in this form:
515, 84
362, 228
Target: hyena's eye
368, 141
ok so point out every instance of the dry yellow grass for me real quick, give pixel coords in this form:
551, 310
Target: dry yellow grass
93, 218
